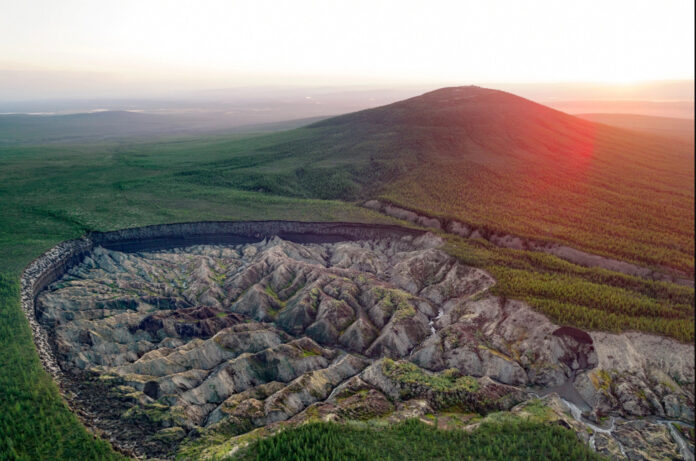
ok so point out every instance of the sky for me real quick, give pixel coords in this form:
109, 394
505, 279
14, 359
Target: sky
70, 48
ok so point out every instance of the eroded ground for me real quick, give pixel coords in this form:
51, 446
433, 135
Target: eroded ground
197, 349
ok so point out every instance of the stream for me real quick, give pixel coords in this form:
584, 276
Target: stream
577, 415
684, 449
431, 323
683, 445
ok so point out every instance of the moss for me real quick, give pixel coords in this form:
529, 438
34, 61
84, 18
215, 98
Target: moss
537, 411
110, 379
312, 412
170, 434
347, 393
296, 290
218, 278
155, 413
496, 353
217, 445
397, 301
404, 312
601, 380
410, 373
269, 291
452, 338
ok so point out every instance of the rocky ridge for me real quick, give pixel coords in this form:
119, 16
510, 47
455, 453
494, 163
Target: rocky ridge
227, 338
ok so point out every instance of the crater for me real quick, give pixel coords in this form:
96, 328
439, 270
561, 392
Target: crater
162, 336
183, 333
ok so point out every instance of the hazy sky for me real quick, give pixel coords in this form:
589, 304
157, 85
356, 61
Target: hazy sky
70, 47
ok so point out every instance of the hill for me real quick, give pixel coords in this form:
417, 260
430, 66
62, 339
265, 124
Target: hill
491, 159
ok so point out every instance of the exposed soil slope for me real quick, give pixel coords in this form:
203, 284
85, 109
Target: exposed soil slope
224, 339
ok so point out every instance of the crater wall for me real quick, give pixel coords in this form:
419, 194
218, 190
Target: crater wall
54, 263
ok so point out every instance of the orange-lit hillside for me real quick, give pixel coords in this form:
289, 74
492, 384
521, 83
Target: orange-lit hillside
495, 159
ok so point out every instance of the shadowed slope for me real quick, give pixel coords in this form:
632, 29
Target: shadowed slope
497, 160
460, 121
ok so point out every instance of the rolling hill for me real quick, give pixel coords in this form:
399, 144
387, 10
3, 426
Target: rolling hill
490, 159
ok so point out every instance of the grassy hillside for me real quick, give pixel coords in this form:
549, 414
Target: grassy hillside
495, 160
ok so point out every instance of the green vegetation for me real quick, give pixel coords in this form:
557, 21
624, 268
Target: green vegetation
52, 193
497, 162
410, 373
404, 309
34, 421
530, 171
589, 298
415, 440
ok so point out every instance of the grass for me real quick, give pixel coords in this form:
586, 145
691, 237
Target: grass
537, 173
53, 193
35, 424
415, 440
510, 165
